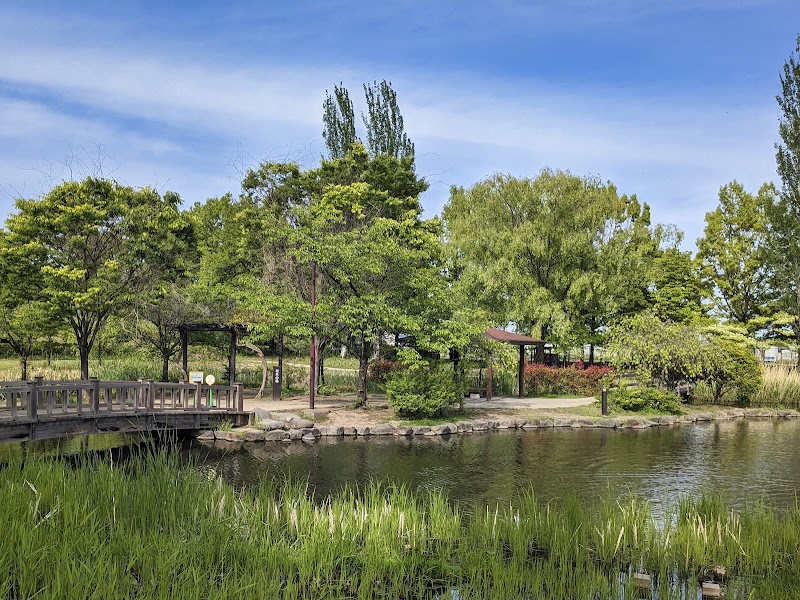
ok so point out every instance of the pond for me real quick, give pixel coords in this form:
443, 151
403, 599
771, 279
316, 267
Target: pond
743, 461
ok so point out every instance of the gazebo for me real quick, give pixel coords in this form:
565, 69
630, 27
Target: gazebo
522, 341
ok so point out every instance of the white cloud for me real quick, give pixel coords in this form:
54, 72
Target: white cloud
166, 117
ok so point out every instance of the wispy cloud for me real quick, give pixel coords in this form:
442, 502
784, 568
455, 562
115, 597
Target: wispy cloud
191, 121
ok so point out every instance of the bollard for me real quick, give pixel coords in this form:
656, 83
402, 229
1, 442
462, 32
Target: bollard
604, 402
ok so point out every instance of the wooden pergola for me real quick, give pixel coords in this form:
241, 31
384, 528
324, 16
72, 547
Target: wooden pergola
208, 327
522, 341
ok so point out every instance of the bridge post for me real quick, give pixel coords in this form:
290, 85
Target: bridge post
151, 395
240, 397
33, 399
198, 396
95, 395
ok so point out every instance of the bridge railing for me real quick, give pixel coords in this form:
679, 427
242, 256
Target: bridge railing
26, 400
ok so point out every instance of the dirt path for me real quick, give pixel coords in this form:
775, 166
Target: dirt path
340, 412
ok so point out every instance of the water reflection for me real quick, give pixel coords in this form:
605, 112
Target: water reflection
743, 461
71, 445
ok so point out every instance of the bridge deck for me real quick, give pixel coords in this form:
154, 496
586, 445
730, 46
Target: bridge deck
46, 409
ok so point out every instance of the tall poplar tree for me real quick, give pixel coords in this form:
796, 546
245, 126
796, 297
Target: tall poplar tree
383, 123
783, 235
385, 128
339, 122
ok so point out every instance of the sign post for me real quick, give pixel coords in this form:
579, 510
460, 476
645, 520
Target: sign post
210, 380
276, 383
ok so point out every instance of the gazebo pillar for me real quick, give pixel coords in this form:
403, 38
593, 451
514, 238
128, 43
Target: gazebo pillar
521, 370
232, 357
185, 353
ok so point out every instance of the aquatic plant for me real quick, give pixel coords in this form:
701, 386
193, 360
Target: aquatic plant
152, 527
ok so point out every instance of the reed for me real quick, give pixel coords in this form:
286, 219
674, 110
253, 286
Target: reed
153, 527
780, 387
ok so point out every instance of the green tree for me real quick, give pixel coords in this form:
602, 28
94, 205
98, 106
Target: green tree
376, 258
676, 290
558, 255
91, 246
273, 297
338, 118
783, 235
355, 221
24, 318
163, 302
732, 253
668, 354
624, 250
385, 129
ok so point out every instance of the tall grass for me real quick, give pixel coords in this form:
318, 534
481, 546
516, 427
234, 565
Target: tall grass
152, 528
780, 387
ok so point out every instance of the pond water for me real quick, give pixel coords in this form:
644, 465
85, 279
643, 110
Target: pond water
743, 461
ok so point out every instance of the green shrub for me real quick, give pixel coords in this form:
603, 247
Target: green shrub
734, 371
423, 391
326, 389
646, 398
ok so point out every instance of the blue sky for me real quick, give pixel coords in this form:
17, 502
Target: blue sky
669, 100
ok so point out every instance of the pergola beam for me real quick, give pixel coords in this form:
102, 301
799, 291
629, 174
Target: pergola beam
211, 327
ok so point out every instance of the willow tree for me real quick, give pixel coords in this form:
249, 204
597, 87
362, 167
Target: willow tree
552, 254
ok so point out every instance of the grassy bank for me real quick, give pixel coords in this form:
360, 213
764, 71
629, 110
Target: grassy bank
153, 529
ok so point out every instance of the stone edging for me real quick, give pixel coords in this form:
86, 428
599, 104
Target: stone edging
288, 427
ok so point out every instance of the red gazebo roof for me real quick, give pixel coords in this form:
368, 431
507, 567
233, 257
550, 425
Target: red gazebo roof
517, 339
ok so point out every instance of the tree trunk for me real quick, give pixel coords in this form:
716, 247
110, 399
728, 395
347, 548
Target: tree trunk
83, 353
591, 354
23, 360
164, 367
363, 364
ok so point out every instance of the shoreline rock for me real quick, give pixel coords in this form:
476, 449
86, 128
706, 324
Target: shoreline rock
286, 427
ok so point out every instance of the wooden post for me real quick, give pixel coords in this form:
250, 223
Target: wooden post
198, 400
185, 351
151, 395
95, 395
489, 381
280, 359
33, 398
240, 397
11, 402
521, 370
232, 358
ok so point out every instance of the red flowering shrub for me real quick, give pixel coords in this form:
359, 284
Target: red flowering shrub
380, 370
544, 380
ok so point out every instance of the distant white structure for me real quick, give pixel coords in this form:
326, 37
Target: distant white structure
778, 355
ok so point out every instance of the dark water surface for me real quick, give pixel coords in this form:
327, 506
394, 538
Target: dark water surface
743, 461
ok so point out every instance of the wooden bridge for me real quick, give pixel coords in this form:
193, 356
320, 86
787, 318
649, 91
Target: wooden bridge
42, 409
